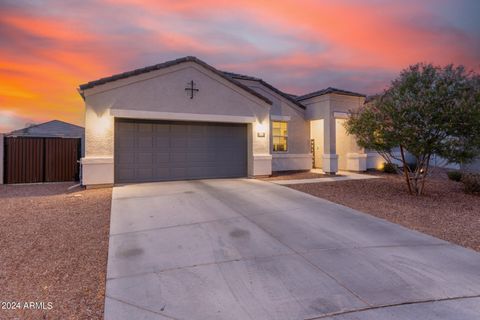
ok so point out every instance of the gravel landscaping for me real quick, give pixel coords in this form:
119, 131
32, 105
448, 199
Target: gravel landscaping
445, 211
54, 249
293, 175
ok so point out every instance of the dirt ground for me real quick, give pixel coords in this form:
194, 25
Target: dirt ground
54, 245
445, 211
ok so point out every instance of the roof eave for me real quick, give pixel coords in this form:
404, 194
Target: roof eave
164, 65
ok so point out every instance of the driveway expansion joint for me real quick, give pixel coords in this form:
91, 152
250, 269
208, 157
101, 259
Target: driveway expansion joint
202, 265
141, 308
334, 314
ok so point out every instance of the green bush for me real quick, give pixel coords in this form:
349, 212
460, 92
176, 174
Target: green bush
454, 175
471, 182
389, 167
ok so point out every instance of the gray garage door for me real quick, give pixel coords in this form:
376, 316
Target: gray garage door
165, 150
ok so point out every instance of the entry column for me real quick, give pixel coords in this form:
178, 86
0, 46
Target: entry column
330, 157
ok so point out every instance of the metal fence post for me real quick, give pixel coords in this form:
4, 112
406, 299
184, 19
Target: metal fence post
2, 159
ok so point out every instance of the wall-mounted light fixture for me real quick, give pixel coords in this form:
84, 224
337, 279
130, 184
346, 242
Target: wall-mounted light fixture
101, 124
260, 130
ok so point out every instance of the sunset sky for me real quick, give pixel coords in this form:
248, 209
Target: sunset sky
48, 48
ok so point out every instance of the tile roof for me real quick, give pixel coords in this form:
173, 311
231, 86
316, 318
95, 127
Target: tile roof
230, 76
327, 91
167, 64
287, 96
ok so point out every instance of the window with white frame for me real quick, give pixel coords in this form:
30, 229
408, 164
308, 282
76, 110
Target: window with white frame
280, 136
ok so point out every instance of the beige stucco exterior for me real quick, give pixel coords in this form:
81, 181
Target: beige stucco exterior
160, 94
298, 155
334, 148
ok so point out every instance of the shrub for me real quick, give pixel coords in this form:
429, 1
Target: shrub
454, 175
389, 167
412, 166
471, 182
427, 111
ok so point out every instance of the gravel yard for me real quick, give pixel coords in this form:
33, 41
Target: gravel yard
445, 211
54, 249
293, 175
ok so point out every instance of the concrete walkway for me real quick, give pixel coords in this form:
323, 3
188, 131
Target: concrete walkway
342, 176
249, 249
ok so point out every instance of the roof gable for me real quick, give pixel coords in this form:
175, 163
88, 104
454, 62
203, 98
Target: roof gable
164, 65
53, 128
327, 91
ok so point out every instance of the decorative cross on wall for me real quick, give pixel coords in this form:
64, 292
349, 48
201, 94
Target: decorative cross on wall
191, 88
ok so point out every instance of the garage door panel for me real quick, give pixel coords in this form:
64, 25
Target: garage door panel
144, 142
197, 157
161, 129
145, 127
166, 150
125, 173
145, 174
124, 158
178, 173
125, 127
126, 142
162, 158
145, 158
177, 156
178, 129
162, 142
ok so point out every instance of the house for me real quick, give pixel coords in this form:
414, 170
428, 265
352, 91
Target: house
184, 119
473, 166
51, 129
45, 152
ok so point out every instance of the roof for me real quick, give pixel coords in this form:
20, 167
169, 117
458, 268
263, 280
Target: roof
287, 96
229, 76
53, 128
167, 64
327, 91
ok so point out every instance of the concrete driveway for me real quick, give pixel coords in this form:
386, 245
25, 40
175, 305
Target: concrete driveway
248, 249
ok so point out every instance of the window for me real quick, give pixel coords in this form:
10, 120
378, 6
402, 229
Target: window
279, 135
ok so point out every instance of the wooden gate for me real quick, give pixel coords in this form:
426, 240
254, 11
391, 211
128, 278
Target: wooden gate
31, 160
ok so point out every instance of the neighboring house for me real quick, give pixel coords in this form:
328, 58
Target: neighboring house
184, 119
473, 166
51, 129
46, 152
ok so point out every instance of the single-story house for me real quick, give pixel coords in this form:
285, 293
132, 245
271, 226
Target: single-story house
51, 129
45, 152
473, 166
184, 119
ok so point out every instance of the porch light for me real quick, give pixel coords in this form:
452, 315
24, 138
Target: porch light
102, 124
260, 130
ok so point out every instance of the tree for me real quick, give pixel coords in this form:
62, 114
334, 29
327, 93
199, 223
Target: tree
428, 110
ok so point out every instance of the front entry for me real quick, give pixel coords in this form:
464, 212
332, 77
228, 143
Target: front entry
147, 151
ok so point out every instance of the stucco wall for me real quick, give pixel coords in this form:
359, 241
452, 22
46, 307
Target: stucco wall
163, 92
345, 144
338, 146
344, 103
298, 155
